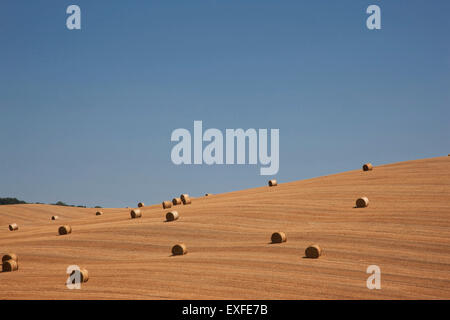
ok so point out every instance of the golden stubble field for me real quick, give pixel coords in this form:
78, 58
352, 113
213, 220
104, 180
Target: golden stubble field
405, 231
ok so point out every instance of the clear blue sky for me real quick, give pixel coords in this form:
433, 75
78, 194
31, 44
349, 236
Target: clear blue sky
86, 116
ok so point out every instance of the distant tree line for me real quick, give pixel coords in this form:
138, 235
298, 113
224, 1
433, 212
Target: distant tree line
4, 201
11, 201
60, 203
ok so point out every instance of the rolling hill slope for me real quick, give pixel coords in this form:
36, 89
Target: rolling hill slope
405, 231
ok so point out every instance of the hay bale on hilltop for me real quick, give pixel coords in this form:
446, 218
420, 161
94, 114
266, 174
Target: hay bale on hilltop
185, 199
10, 265
141, 204
55, 217
278, 237
273, 183
314, 251
99, 213
167, 204
367, 167
10, 256
179, 249
13, 227
208, 194
172, 216
135, 213
66, 229
176, 201
362, 202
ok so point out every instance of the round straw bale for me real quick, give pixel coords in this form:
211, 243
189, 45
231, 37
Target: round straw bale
362, 202
185, 199
172, 215
176, 201
313, 251
55, 217
367, 167
208, 194
98, 213
167, 204
65, 230
179, 249
13, 227
141, 204
10, 256
272, 183
84, 275
10, 265
278, 237
135, 213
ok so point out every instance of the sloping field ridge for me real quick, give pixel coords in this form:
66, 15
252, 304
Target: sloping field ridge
405, 231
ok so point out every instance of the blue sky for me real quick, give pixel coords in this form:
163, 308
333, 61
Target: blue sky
86, 116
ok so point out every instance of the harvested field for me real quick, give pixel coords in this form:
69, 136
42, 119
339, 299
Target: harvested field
405, 231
